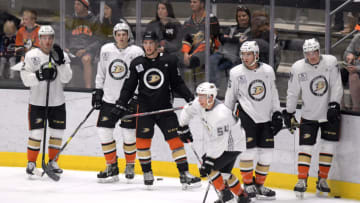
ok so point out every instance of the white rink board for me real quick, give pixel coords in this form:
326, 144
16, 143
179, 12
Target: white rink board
14, 132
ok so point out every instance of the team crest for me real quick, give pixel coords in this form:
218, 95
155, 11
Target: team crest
36, 61
319, 85
153, 78
257, 90
118, 69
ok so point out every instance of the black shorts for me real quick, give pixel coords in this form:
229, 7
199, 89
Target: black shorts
257, 134
56, 117
309, 130
105, 119
226, 161
167, 122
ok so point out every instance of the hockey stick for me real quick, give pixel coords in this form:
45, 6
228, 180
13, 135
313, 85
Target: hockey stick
208, 177
151, 112
73, 134
46, 169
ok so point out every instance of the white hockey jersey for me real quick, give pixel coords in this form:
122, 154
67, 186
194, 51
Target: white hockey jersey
218, 123
34, 59
255, 90
319, 85
113, 69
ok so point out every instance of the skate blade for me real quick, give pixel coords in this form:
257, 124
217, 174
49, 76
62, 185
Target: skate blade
149, 187
36, 174
186, 186
111, 179
263, 197
299, 195
321, 194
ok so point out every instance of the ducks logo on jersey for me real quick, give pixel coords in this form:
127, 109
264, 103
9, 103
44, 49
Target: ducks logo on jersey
257, 90
153, 78
118, 69
319, 85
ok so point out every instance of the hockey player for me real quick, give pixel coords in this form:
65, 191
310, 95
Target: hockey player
39, 69
113, 68
157, 76
221, 146
252, 93
318, 79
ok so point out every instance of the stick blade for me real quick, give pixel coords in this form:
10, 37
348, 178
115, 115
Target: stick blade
50, 173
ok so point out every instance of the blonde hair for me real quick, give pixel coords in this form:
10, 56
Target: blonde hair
32, 13
9, 27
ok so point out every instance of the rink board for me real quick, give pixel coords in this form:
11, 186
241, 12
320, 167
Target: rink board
84, 150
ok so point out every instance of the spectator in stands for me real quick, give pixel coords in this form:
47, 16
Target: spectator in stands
5, 16
231, 40
27, 35
260, 32
7, 48
82, 41
112, 16
352, 57
193, 44
167, 28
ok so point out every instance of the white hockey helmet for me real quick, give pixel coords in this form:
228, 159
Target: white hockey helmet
207, 88
122, 26
311, 45
46, 30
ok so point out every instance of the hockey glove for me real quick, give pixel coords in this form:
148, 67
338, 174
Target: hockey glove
185, 134
290, 121
97, 96
333, 113
236, 111
57, 54
206, 166
132, 105
119, 111
276, 122
46, 74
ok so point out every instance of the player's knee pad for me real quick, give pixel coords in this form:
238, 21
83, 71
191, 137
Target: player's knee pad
129, 135
175, 143
249, 154
265, 155
307, 149
105, 134
37, 134
327, 147
56, 133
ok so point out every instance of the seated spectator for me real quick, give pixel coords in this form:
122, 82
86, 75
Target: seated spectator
27, 35
231, 40
167, 28
193, 44
260, 32
112, 16
5, 16
7, 48
352, 58
82, 41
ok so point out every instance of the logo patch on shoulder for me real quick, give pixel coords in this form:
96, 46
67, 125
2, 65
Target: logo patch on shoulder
139, 68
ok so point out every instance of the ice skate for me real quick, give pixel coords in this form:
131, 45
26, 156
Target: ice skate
300, 188
31, 170
54, 167
129, 171
243, 198
226, 197
189, 181
250, 190
322, 188
110, 174
264, 193
149, 179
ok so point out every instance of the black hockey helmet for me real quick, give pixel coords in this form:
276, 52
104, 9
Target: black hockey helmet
150, 35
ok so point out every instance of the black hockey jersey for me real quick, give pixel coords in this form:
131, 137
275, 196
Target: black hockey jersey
156, 79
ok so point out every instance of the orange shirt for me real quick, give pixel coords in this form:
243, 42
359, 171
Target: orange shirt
27, 39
